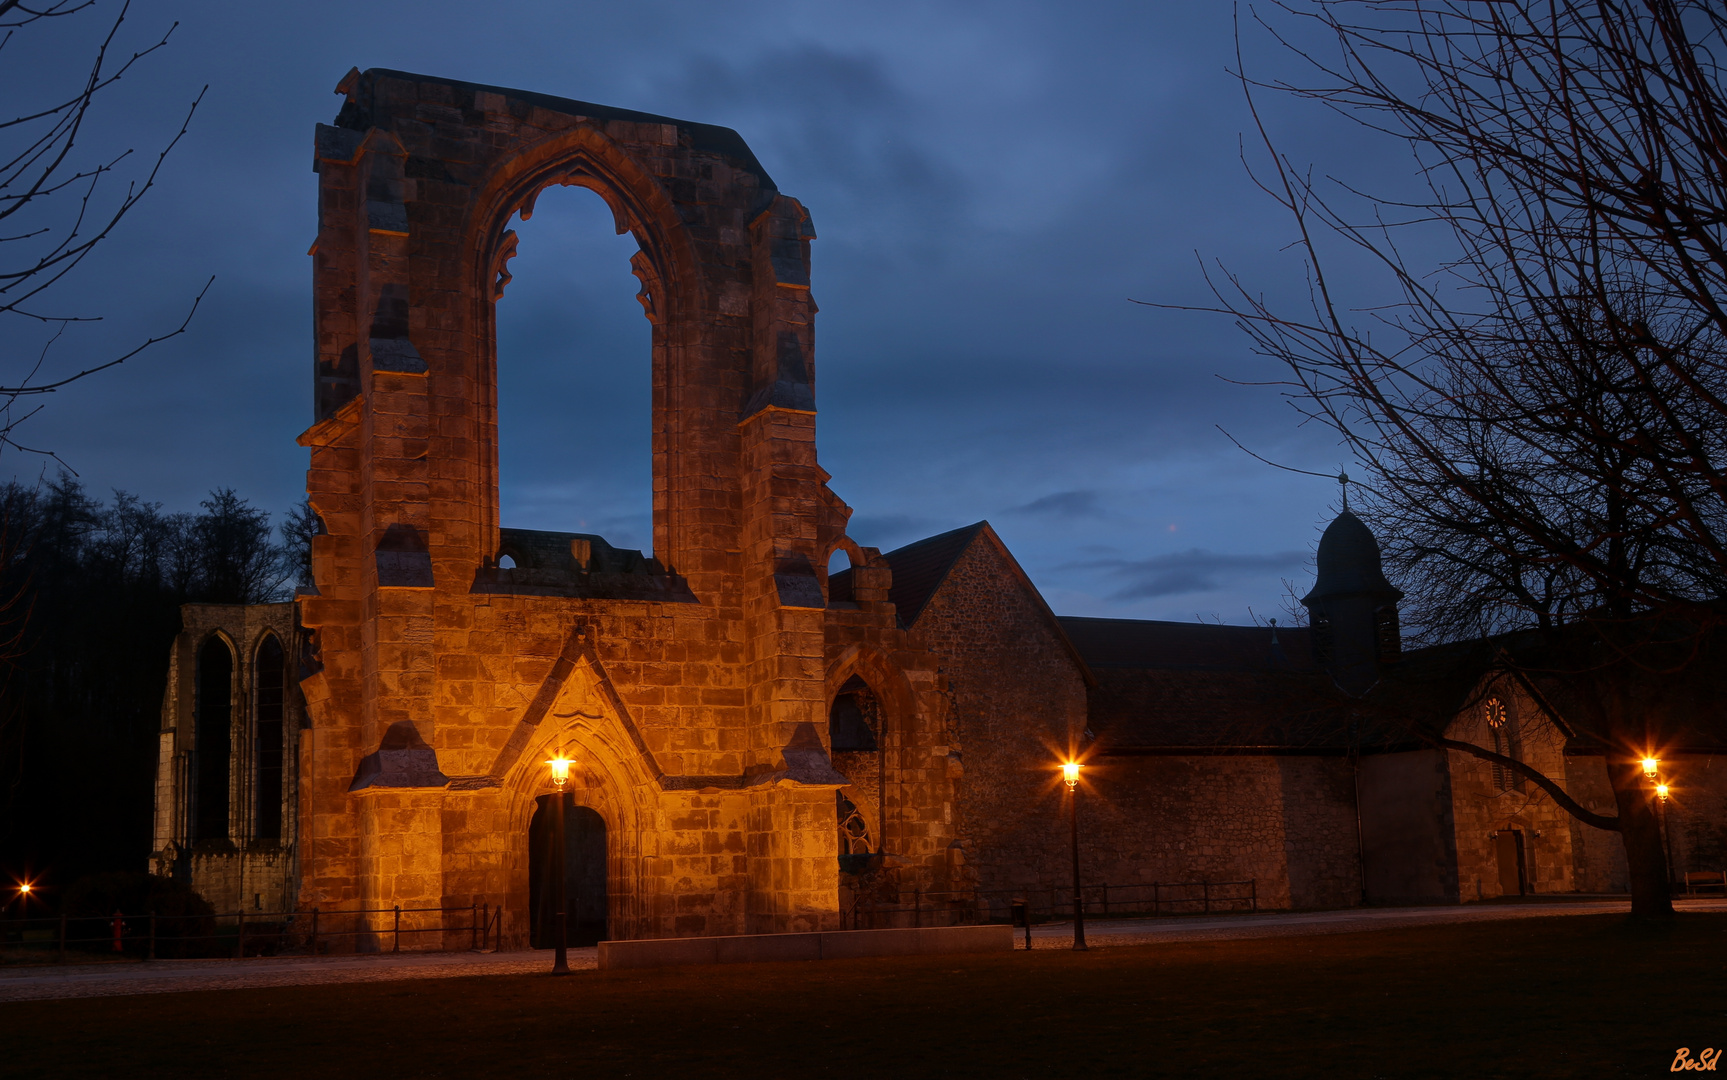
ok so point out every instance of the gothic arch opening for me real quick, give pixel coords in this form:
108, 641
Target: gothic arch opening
269, 696
574, 384
585, 885
858, 741
213, 739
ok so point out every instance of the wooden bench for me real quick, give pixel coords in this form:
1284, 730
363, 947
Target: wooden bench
1705, 879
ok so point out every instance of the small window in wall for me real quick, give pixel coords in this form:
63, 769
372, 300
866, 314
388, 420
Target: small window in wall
1321, 638
270, 680
212, 740
1502, 725
839, 577
1388, 634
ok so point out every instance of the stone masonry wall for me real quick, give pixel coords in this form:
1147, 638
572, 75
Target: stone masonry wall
1285, 823
1018, 708
241, 870
1696, 815
689, 684
1598, 855
1481, 807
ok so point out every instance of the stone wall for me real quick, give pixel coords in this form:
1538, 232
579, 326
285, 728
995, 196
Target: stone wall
1285, 823
241, 869
689, 683
1598, 855
1407, 833
1483, 805
1696, 814
1018, 701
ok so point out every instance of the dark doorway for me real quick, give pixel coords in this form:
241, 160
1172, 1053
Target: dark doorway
584, 874
1513, 868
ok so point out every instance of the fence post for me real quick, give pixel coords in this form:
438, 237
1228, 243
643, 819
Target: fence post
397, 931
1253, 895
486, 917
151, 954
314, 931
473, 926
62, 937
240, 942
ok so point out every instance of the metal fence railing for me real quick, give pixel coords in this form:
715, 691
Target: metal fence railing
1047, 903
238, 934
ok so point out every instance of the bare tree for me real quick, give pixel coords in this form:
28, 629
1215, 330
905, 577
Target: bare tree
1541, 413
57, 206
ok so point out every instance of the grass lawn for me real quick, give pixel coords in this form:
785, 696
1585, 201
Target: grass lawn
1576, 996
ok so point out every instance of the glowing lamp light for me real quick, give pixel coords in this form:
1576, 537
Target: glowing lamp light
560, 770
24, 888
1070, 773
1661, 791
1650, 765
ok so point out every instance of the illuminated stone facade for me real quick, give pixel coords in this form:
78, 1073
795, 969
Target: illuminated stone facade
735, 716
691, 685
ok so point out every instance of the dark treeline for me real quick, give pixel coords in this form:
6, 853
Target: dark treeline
89, 600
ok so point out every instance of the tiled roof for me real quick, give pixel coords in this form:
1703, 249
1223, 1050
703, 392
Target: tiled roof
1144, 643
1206, 688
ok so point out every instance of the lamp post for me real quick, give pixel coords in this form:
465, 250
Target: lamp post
1070, 773
560, 922
1666, 834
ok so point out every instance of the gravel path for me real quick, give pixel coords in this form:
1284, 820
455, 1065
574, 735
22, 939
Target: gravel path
168, 976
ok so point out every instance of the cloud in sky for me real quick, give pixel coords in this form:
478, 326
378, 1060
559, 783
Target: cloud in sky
989, 186
1065, 504
1184, 573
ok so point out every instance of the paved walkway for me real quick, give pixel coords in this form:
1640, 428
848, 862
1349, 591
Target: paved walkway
1103, 932
167, 976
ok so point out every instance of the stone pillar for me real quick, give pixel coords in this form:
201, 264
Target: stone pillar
793, 869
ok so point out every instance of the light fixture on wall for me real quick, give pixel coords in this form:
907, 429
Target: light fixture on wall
560, 770
1650, 765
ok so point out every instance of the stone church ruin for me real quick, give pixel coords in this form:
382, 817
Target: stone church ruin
756, 744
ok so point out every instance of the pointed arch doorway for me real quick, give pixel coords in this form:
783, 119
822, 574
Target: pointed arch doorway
584, 873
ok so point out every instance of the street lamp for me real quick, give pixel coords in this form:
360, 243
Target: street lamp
1666, 833
560, 923
1070, 773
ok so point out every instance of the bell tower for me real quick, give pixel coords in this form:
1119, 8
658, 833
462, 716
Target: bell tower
1352, 607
